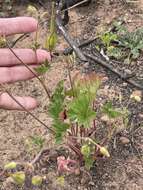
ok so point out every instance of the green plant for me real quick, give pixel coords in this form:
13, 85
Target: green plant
37, 141
107, 38
132, 41
123, 44
74, 114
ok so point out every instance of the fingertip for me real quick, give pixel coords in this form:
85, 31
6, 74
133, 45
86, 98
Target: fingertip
43, 55
33, 23
32, 103
18, 25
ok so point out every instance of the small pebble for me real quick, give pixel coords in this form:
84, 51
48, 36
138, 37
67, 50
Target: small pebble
125, 84
124, 140
141, 115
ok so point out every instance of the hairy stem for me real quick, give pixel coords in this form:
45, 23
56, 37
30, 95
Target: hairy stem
26, 110
42, 83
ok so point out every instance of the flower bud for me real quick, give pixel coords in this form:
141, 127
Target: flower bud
18, 177
10, 165
104, 151
37, 180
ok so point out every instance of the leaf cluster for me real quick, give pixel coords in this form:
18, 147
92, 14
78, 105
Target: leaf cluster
110, 111
123, 44
86, 151
132, 41
80, 109
56, 107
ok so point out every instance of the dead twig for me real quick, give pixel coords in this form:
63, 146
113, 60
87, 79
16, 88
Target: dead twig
108, 66
69, 50
69, 40
38, 156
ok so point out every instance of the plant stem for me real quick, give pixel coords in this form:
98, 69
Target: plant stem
76, 128
42, 83
22, 37
70, 78
87, 139
26, 110
76, 150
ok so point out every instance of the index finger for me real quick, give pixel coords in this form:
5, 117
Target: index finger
17, 25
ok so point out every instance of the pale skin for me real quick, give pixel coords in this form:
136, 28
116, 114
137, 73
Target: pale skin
11, 70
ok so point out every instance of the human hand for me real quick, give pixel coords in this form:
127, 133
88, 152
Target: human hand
11, 69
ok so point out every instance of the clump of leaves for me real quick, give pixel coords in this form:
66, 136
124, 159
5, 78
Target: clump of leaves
34, 144
107, 38
43, 68
56, 109
87, 151
73, 116
110, 111
132, 41
37, 141
123, 44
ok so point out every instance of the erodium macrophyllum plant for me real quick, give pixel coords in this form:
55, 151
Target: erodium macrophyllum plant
74, 115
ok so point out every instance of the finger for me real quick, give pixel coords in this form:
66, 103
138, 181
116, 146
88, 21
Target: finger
16, 73
9, 26
6, 102
28, 56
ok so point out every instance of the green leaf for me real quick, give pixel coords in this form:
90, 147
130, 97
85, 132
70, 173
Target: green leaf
110, 111
80, 110
42, 69
57, 102
108, 37
86, 152
132, 41
38, 141
88, 162
114, 52
55, 108
60, 129
135, 53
